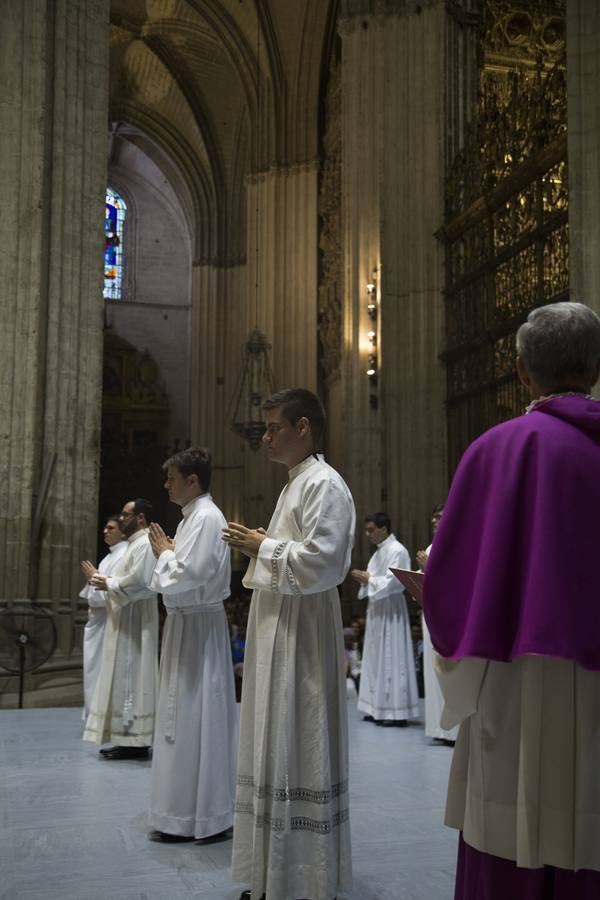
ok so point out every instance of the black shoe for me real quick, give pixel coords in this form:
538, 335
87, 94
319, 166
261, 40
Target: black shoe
368, 719
215, 838
392, 723
127, 753
165, 838
247, 895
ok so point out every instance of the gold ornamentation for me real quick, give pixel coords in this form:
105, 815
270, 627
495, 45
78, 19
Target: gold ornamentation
506, 225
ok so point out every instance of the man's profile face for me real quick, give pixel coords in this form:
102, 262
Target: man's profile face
282, 439
128, 519
181, 488
112, 533
375, 533
435, 521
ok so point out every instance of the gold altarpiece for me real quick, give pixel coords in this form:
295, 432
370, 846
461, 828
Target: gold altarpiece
506, 213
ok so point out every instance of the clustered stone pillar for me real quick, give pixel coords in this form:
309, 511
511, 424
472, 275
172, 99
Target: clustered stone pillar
583, 107
396, 111
54, 60
274, 290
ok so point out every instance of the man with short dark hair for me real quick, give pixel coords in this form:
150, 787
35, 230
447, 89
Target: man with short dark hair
291, 834
511, 601
193, 767
93, 636
388, 682
123, 704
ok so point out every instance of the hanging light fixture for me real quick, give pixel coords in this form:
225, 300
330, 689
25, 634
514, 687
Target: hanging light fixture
256, 382
372, 336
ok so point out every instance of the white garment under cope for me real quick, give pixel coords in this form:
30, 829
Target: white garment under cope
93, 634
123, 704
524, 782
195, 747
388, 680
434, 700
292, 834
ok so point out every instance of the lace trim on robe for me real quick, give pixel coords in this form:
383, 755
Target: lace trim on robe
298, 795
297, 823
277, 553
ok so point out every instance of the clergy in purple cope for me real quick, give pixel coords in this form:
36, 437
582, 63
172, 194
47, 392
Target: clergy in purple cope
512, 602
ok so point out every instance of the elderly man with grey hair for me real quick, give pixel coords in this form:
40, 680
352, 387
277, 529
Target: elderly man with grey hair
511, 602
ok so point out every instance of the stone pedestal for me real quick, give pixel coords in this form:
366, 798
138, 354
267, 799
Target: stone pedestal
53, 116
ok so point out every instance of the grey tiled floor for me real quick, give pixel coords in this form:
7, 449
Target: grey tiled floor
72, 827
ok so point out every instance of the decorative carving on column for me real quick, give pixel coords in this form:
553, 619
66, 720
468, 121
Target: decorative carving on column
521, 33
330, 237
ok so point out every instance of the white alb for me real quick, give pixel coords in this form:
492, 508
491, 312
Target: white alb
388, 680
291, 833
195, 746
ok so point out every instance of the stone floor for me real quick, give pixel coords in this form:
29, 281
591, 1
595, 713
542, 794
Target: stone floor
72, 827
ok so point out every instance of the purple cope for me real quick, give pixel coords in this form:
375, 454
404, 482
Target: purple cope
515, 565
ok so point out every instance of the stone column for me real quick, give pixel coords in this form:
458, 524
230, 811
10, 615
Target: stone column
583, 105
400, 115
54, 59
274, 290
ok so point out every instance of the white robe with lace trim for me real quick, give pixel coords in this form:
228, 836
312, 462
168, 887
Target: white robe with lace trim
93, 634
123, 704
388, 680
524, 780
434, 700
291, 833
195, 747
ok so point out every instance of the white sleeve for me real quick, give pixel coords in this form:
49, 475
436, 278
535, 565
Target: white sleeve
93, 597
321, 559
195, 560
381, 586
97, 599
460, 682
133, 585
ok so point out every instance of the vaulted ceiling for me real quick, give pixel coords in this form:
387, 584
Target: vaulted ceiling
223, 88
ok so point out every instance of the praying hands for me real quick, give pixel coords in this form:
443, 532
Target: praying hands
89, 569
159, 540
247, 540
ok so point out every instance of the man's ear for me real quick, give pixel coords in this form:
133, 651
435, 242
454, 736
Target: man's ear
303, 425
524, 376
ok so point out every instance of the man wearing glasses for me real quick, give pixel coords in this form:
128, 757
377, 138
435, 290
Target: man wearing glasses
123, 705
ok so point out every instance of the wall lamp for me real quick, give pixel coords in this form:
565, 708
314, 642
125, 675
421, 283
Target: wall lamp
372, 360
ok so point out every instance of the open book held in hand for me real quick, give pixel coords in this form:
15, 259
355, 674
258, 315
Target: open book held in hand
412, 582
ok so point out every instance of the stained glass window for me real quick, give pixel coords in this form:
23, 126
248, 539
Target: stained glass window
116, 210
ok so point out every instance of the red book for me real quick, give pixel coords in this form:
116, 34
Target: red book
412, 581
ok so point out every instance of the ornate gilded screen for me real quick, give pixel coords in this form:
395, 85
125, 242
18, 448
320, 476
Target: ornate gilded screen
506, 221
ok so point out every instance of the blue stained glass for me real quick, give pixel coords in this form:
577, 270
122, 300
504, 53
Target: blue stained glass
114, 219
